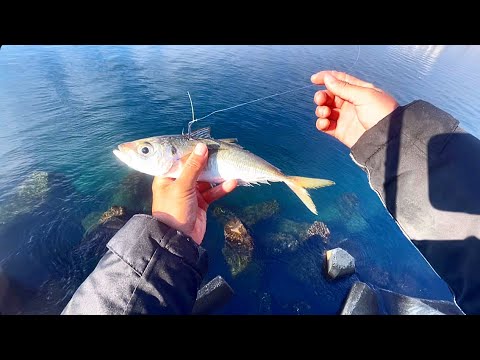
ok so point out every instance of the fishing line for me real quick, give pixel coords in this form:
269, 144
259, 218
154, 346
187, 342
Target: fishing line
255, 100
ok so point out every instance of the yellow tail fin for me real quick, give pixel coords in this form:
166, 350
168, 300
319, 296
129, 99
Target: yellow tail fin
298, 185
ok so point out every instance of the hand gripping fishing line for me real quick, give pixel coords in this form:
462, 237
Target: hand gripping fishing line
251, 101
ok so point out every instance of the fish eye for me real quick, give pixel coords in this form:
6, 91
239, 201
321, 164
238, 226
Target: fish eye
145, 148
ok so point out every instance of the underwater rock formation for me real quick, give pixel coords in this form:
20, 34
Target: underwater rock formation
91, 220
107, 224
41, 229
255, 213
277, 243
223, 214
114, 211
339, 263
288, 235
54, 294
95, 218
238, 247
249, 215
350, 201
135, 193
30, 194
346, 211
320, 229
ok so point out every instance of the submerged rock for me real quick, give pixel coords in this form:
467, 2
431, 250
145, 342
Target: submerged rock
92, 247
238, 247
95, 218
339, 263
91, 220
250, 215
223, 215
114, 211
345, 211
30, 194
278, 243
288, 235
255, 213
320, 229
134, 193
350, 200
237, 234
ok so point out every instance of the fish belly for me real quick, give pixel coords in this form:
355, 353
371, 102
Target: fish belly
223, 167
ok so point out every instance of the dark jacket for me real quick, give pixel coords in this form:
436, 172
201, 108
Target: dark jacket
149, 268
426, 171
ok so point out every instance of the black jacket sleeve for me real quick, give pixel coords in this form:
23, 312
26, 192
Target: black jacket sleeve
149, 268
426, 171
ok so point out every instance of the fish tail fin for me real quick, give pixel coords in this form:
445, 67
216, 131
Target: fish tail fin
299, 185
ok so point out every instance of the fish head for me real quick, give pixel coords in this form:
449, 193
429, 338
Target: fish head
152, 156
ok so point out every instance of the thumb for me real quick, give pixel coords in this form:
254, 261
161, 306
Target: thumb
349, 92
194, 165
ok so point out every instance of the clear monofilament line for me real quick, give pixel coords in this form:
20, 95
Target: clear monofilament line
193, 115
252, 101
255, 100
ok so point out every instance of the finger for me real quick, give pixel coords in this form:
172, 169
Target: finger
319, 78
202, 186
194, 166
219, 191
322, 111
324, 97
352, 93
322, 124
327, 126
351, 79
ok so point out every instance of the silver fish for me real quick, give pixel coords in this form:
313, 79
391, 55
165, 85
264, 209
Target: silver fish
165, 156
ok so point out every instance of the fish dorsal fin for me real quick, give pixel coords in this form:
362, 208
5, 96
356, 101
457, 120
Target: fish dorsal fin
229, 140
203, 133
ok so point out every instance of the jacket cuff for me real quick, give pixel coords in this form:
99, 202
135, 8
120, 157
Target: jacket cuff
136, 242
416, 123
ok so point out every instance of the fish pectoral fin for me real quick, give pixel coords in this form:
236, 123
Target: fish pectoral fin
203, 133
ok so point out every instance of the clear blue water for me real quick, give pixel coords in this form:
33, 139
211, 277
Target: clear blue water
64, 108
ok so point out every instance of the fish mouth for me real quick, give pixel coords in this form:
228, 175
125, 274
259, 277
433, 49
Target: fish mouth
121, 155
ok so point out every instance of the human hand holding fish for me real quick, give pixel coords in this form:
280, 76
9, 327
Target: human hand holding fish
182, 203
